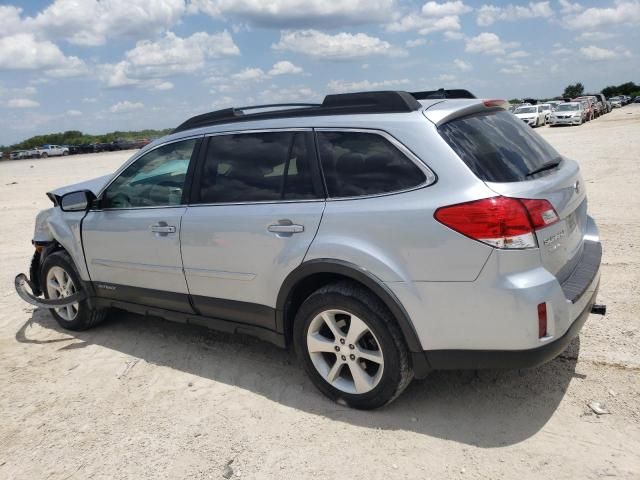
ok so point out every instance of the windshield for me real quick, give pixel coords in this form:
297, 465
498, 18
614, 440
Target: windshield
526, 110
567, 107
498, 147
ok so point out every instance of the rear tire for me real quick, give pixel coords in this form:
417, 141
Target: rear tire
351, 347
59, 279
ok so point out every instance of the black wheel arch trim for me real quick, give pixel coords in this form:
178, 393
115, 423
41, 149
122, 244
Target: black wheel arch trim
369, 280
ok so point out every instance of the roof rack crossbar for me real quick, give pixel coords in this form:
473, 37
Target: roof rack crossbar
277, 105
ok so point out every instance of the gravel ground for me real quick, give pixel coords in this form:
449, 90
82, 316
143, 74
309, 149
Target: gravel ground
143, 398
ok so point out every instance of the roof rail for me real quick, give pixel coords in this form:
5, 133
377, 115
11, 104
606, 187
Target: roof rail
442, 93
338, 104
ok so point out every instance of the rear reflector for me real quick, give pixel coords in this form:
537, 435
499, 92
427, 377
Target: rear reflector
501, 222
542, 320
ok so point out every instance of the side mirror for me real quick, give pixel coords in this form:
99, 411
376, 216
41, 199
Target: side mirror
77, 201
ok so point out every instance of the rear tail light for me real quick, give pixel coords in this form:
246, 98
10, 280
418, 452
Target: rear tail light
542, 320
496, 103
501, 222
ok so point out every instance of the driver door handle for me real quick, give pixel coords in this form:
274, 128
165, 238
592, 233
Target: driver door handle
163, 229
285, 228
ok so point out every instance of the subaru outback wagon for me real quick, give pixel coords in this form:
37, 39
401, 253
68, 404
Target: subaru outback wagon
380, 234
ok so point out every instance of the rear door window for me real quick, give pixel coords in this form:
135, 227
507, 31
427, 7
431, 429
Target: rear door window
258, 167
498, 147
361, 163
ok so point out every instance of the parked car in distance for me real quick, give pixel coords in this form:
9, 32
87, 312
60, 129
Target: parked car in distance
637, 99
532, 115
49, 151
381, 235
547, 109
571, 113
589, 107
616, 102
602, 102
73, 149
18, 154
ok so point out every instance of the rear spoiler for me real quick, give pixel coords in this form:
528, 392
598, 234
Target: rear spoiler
443, 94
441, 113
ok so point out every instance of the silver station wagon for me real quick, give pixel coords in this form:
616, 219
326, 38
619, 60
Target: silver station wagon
380, 234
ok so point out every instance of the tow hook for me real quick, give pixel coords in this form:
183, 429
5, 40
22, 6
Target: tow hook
597, 309
23, 285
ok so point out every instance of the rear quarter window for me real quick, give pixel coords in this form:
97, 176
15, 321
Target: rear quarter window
358, 164
497, 146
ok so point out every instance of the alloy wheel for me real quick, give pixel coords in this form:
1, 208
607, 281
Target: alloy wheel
345, 351
60, 285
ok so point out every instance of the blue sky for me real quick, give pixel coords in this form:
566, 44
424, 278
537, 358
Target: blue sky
102, 65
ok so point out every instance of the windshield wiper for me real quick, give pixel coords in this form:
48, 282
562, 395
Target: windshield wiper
544, 167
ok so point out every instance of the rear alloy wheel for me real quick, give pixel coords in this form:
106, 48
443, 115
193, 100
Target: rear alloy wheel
345, 352
351, 347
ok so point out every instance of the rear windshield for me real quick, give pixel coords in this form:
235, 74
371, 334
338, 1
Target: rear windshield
567, 107
526, 110
498, 147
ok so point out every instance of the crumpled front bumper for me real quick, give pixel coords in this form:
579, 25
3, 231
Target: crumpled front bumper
24, 288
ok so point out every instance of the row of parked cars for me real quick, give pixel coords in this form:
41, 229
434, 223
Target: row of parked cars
567, 111
62, 150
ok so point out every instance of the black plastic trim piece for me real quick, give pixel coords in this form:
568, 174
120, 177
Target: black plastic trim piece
339, 104
203, 321
507, 359
177, 302
235, 311
368, 279
585, 271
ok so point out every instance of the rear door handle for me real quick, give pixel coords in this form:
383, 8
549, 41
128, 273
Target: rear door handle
285, 226
163, 229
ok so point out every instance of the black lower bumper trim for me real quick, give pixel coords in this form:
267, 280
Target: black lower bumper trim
498, 359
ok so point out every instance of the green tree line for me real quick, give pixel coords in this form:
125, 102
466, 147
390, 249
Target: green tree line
76, 137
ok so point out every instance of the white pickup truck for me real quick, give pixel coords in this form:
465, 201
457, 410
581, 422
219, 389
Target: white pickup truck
49, 151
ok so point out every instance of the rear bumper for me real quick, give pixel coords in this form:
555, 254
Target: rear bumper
482, 359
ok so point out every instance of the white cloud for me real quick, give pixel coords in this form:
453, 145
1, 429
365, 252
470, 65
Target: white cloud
298, 13
294, 94
624, 12
516, 69
488, 43
454, 35
344, 86
89, 100
489, 14
447, 78
518, 54
10, 20
171, 55
596, 53
284, 67
435, 9
126, 107
23, 51
163, 86
462, 65
595, 36
91, 22
250, 75
567, 7
416, 43
341, 46
74, 113
22, 103
425, 25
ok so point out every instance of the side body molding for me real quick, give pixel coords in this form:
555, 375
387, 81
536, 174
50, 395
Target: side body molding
346, 269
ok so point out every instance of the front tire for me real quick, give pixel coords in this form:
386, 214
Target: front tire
351, 347
60, 279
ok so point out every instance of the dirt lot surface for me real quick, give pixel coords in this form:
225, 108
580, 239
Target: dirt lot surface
144, 398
